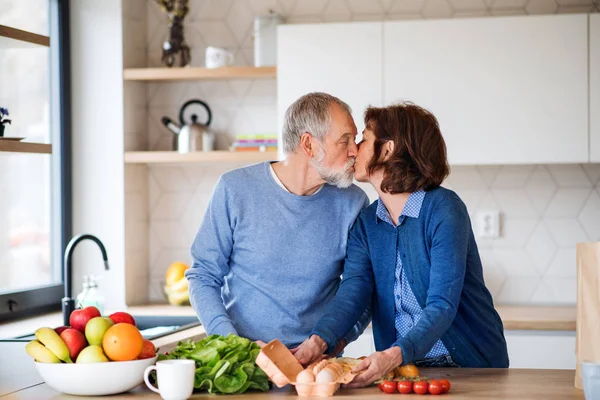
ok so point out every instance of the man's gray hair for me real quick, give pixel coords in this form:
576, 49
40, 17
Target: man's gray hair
310, 113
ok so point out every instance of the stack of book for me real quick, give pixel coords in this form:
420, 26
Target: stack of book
256, 142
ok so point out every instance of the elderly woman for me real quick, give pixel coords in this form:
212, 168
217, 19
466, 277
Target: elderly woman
413, 256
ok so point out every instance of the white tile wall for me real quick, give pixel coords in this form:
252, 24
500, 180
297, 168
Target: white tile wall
545, 209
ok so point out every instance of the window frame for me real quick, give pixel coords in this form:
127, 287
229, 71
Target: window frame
23, 303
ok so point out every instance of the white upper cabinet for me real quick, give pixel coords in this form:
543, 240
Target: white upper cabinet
344, 60
506, 90
595, 88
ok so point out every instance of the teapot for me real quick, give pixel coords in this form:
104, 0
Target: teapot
192, 136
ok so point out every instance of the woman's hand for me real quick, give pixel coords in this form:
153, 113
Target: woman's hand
310, 350
375, 366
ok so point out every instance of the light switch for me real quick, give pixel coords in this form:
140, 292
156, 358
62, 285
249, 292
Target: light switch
488, 224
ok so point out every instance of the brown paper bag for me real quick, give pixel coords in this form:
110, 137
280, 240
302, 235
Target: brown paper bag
587, 344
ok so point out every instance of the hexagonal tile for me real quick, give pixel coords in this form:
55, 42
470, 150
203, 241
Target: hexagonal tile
154, 244
403, 17
197, 45
262, 92
501, 12
261, 7
593, 172
308, 7
210, 10
365, 7
165, 258
515, 233
217, 34
262, 118
305, 19
512, 176
579, 9
564, 290
194, 174
156, 293
472, 5
170, 205
514, 203
569, 175
540, 197
136, 235
136, 208
471, 14
240, 123
337, 11
518, 290
542, 295
153, 191
219, 92
566, 232
472, 198
574, 2
567, 203
541, 7
170, 179
406, 6
590, 217
564, 264
136, 178
240, 20
168, 233
515, 262
465, 178
488, 173
223, 115
541, 247
436, 9
508, 3
493, 274
285, 6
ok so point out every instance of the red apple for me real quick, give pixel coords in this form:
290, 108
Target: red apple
80, 317
148, 350
60, 329
75, 341
122, 317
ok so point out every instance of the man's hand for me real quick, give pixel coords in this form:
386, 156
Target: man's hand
260, 343
310, 350
375, 366
339, 347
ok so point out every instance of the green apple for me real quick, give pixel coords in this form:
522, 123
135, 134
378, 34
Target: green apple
96, 328
91, 354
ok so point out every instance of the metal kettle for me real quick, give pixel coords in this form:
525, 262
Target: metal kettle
189, 137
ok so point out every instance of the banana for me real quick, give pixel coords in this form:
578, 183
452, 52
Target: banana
179, 286
39, 353
179, 298
54, 343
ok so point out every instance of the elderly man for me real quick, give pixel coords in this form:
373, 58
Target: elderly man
270, 250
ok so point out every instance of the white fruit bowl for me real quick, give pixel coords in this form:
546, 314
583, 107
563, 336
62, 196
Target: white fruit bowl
97, 379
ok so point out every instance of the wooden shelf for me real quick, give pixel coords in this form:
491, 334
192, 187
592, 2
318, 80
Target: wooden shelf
24, 147
12, 38
192, 74
172, 157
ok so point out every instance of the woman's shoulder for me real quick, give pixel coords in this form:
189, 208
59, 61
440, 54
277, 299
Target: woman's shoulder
442, 199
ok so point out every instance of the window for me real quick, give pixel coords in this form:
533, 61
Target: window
34, 186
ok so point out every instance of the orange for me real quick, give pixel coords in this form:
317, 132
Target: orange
407, 371
122, 342
175, 272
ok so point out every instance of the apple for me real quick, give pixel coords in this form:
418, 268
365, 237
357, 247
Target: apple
80, 317
74, 340
122, 317
60, 329
91, 354
148, 350
96, 328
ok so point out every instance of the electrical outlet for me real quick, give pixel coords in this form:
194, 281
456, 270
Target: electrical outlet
488, 224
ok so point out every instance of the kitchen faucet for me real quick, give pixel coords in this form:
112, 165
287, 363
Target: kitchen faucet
68, 304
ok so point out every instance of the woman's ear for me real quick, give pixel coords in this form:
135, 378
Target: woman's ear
388, 149
306, 144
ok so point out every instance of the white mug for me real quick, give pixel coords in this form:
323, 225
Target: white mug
175, 378
216, 57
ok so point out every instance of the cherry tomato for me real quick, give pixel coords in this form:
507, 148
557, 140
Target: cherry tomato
388, 387
420, 387
445, 385
405, 387
435, 387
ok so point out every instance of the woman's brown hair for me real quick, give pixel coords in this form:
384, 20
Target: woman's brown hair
419, 160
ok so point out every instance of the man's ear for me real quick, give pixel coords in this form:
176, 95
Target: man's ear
388, 149
306, 144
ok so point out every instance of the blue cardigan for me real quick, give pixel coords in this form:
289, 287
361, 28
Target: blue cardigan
445, 273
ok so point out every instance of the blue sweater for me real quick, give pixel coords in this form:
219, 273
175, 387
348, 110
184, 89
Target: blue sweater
266, 262
445, 274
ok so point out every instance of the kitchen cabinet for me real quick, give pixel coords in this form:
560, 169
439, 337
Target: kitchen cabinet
341, 59
506, 90
595, 88
541, 349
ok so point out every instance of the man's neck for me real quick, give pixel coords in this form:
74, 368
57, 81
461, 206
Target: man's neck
298, 176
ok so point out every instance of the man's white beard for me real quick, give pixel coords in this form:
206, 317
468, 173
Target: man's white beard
341, 178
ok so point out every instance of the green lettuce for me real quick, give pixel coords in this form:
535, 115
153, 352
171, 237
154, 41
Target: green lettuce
224, 365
